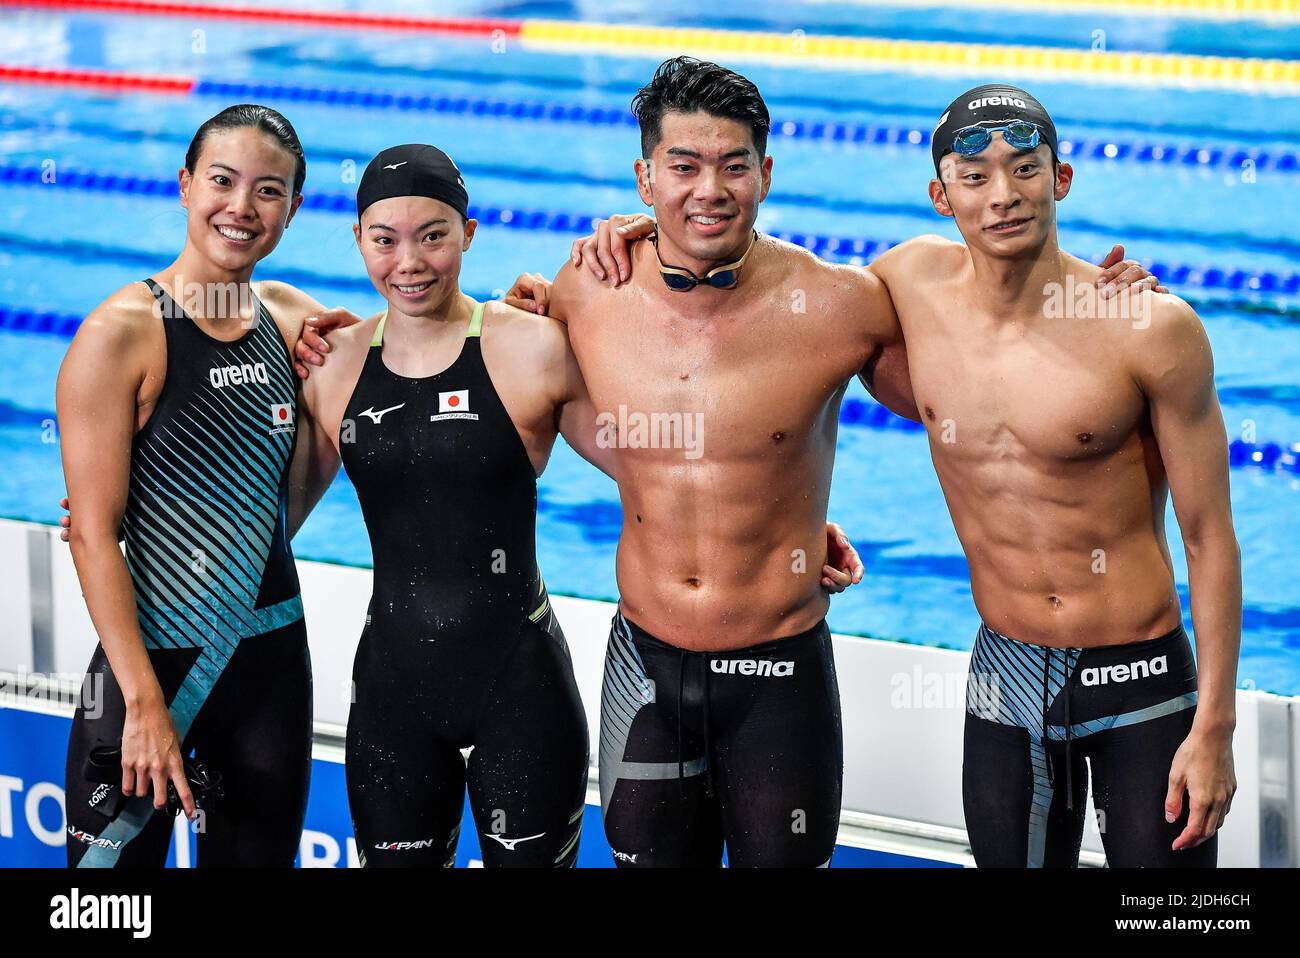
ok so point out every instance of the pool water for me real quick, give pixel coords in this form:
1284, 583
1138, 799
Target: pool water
542, 139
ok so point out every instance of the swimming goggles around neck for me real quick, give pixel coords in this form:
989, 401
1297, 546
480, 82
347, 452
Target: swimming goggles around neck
682, 280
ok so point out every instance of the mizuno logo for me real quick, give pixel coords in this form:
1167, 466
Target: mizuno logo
221, 376
393, 166
1125, 672
509, 843
376, 416
751, 667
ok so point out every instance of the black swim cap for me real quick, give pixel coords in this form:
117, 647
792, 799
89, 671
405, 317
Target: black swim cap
989, 105
415, 169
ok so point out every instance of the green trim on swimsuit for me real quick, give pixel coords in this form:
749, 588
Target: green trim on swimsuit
475, 325
540, 611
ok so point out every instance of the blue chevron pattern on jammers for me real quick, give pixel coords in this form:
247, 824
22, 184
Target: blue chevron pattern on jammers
1015, 683
625, 691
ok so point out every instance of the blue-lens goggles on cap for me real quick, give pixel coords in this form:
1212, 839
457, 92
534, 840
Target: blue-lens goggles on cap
968, 125
1019, 134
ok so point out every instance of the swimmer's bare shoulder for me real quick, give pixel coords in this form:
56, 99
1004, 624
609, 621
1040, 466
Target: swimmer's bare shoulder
577, 294
780, 262
540, 336
856, 301
922, 258
129, 313
122, 338
526, 347
1164, 338
108, 385
289, 307
348, 345
858, 320
1139, 320
327, 391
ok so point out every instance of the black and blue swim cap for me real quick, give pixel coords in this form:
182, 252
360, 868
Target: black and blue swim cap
989, 105
414, 169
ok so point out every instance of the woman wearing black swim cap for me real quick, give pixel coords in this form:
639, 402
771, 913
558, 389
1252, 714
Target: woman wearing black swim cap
444, 412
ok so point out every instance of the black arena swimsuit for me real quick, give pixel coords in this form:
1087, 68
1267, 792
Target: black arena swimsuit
704, 749
1038, 718
217, 596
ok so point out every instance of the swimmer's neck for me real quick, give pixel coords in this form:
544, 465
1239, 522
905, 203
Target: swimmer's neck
704, 299
671, 255
206, 291
1013, 288
453, 313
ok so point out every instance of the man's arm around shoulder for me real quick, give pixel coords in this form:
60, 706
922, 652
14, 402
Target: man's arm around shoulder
867, 304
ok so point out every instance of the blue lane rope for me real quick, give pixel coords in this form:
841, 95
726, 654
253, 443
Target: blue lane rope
1137, 232
867, 414
1252, 309
550, 85
872, 134
560, 221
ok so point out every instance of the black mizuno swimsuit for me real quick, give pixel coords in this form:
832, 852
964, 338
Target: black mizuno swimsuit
461, 647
